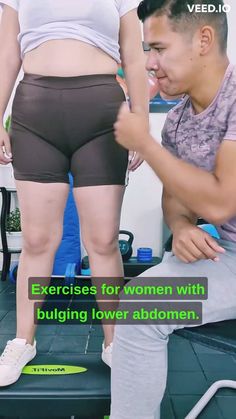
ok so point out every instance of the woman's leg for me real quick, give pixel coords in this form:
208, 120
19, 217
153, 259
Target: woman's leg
99, 210
42, 208
99, 166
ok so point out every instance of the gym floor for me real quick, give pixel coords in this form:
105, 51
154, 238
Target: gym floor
192, 367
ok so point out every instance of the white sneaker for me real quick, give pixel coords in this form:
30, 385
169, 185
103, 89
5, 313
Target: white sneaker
107, 354
15, 356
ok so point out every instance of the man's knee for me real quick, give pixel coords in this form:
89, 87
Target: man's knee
131, 301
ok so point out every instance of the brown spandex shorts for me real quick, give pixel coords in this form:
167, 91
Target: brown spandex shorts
65, 124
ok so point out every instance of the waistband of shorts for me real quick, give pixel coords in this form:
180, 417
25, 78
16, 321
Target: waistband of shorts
69, 82
228, 245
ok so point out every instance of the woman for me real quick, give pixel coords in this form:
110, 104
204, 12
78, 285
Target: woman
62, 120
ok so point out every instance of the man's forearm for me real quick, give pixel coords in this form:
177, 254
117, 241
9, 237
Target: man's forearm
176, 214
8, 75
191, 185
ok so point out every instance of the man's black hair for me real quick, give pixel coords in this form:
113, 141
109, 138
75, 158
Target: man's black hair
184, 20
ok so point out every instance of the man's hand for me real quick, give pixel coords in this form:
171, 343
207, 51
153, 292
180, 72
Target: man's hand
191, 243
5, 147
131, 129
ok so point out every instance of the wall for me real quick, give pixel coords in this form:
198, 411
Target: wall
232, 31
141, 212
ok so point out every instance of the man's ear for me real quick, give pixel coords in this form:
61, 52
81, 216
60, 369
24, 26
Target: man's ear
207, 39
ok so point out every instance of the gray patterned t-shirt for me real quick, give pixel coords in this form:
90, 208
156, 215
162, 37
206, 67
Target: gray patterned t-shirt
196, 138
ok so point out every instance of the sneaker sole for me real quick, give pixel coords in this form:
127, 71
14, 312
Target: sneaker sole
105, 361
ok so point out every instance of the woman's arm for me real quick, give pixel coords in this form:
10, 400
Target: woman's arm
10, 60
10, 64
133, 62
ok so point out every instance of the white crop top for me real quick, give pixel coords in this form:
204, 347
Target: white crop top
96, 22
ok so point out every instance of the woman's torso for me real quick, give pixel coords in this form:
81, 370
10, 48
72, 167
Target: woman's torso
68, 57
49, 30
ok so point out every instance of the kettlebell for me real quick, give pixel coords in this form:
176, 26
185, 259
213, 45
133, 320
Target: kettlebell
126, 245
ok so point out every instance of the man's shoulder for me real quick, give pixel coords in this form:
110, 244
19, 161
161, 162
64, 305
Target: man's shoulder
227, 95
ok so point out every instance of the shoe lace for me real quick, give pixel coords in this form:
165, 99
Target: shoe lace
11, 353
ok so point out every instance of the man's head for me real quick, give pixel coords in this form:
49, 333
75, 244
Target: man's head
185, 36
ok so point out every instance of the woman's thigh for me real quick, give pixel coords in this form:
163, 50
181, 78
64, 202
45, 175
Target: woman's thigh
42, 209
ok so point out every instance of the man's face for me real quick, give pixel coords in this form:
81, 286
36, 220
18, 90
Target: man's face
174, 56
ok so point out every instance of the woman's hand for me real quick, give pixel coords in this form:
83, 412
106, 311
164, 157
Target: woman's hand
135, 160
5, 147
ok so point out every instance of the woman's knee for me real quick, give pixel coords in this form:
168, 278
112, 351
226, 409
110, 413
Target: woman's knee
103, 245
37, 241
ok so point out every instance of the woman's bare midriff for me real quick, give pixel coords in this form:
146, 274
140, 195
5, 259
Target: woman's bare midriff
68, 58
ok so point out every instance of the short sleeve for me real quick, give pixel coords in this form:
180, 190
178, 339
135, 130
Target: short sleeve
12, 3
231, 124
126, 5
167, 140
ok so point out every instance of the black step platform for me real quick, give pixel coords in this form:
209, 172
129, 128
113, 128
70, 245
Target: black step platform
83, 395
192, 369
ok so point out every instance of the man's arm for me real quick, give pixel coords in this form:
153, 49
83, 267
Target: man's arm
175, 213
190, 243
211, 195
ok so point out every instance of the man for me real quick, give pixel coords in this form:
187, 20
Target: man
197, 166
